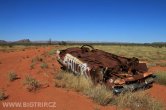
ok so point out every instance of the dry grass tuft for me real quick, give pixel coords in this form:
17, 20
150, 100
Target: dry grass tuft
79, 83
161, 77
3, 96
44, 65
12, 76
137, 101
100, 94
31, 83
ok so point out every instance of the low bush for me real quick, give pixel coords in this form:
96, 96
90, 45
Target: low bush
12, 76
2, 95
31, 83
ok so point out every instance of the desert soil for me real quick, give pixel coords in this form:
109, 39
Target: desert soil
20, 61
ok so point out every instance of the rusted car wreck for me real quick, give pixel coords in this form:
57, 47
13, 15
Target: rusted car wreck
116, 72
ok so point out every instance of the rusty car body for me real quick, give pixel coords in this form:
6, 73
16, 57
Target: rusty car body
116, 72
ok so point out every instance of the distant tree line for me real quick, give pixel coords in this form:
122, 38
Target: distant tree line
50, 42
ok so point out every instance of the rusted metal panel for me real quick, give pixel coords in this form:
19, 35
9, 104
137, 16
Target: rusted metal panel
103, 67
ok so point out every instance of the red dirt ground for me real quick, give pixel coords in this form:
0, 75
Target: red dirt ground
19, 62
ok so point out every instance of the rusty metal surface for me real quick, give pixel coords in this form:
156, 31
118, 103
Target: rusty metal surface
102, 66
97, 58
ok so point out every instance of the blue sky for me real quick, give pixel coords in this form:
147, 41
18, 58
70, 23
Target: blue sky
84, 20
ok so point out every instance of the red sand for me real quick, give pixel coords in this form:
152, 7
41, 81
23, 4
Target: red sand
20, 61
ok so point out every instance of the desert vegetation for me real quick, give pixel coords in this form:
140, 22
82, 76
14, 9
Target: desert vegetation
12, 76
44, 65
140, 100
152, 53
52, 52
161, 77
31, 83
149, 54
36, 65
3, 96
32, 65
79, 83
